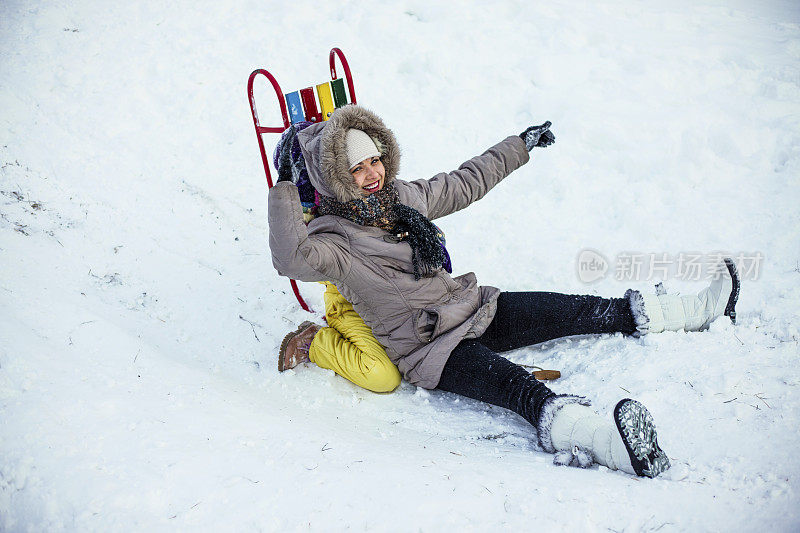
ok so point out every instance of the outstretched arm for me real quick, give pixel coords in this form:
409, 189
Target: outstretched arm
296, 253
449, 192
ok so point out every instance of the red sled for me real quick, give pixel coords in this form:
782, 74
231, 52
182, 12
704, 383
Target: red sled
330, 94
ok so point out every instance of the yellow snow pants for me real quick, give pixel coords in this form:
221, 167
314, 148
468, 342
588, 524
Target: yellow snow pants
349, 348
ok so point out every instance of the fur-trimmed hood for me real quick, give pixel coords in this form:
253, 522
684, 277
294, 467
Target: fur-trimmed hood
324, 150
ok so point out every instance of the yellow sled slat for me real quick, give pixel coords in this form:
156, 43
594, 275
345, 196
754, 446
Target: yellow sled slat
325, 99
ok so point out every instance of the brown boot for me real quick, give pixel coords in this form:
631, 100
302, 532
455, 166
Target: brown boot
295, 345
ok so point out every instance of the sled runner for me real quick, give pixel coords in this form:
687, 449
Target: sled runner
301, 105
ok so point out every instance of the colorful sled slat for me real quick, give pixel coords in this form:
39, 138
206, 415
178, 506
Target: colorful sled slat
325, 100
295, 107
310, 105
339, 95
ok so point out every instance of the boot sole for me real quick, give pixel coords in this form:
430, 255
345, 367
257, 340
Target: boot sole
635, 425
285, 343
730, 309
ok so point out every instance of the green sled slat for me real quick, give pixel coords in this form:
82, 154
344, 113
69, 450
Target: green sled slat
339, 96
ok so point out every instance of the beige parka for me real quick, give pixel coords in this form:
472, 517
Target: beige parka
419, 322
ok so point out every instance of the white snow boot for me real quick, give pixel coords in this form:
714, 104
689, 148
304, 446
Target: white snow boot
654, 313
578, 436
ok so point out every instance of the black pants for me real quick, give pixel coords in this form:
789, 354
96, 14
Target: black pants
475, 370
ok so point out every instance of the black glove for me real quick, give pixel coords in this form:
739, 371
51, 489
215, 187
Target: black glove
540, 136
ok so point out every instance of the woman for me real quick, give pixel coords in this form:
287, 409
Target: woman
375, 241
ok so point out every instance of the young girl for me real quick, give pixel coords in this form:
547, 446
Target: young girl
374, 240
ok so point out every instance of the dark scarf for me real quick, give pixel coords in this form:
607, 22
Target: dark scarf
384, 210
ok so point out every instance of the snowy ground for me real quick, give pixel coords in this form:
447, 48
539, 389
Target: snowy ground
141, 315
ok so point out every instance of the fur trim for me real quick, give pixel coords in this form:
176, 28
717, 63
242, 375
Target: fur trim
562, 458
549, 409
640, 317
577, 457
583, 459
335, 170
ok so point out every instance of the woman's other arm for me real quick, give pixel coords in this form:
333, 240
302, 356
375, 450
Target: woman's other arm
449, 192
295, 253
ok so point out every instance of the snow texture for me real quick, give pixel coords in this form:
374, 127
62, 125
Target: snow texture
141, 315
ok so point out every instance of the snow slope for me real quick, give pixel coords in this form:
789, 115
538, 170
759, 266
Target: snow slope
141, 315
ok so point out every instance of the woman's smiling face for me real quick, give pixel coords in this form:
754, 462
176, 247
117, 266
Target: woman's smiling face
369, 175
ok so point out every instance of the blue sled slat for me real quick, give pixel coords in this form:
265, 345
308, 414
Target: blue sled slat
295, 106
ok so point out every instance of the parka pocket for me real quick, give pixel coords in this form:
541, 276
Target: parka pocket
425, 324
